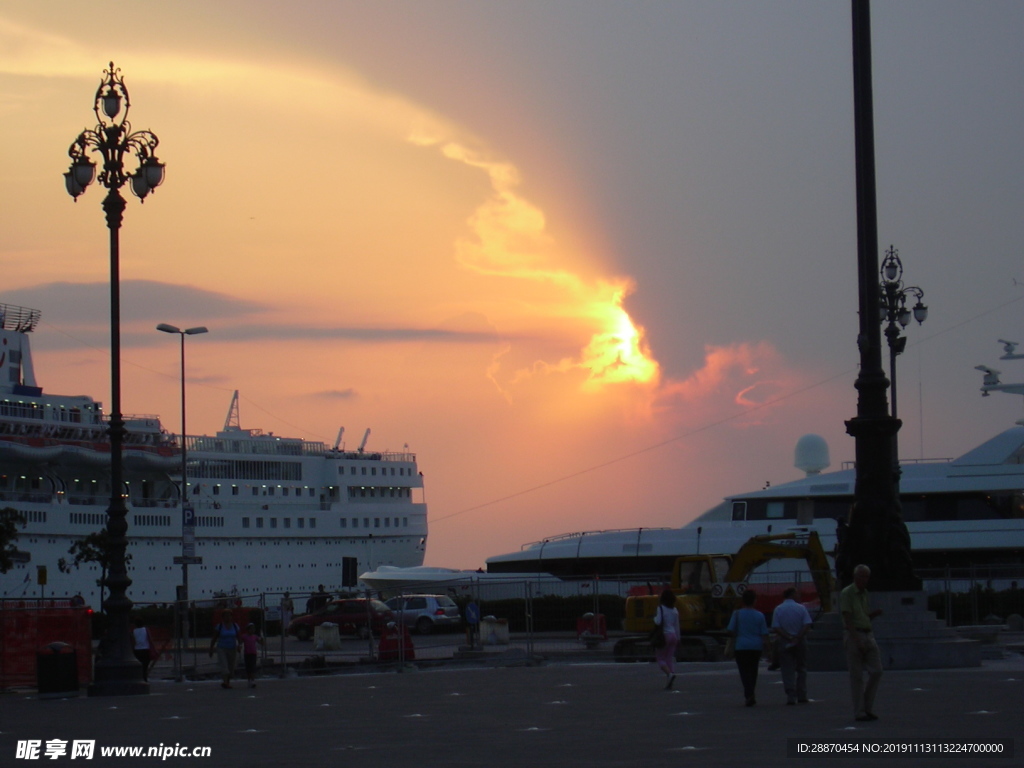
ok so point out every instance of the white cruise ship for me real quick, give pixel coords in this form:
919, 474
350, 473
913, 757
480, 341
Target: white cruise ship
272, 514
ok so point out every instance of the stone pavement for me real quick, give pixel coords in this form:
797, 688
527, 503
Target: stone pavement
558, 714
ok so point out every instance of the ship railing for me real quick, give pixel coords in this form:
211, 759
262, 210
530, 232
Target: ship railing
153, 503
15, 318
135, 418
405, 456
904, 461
41, 497
260, 447
85, 500
581, 534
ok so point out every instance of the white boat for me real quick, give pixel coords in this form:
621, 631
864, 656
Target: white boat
271, 514
959, 512
481, 585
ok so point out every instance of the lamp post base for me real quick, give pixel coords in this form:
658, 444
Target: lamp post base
119, 680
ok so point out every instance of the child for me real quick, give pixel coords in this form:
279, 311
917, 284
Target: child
249, 641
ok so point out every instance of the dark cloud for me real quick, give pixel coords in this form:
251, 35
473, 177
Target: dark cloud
369, 335
88, 304
80, 312
337, 394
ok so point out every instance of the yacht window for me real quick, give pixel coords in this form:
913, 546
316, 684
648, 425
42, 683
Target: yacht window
739, 510
774, 509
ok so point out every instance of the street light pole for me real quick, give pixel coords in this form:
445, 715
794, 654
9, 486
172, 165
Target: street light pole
187, 512
877, 535
117, 671
894, 312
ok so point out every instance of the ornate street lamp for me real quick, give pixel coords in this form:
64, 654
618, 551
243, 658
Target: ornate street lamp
894, 312
117, 671
877, 535
188, 520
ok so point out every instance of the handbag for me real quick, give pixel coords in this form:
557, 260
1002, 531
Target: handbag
658, 634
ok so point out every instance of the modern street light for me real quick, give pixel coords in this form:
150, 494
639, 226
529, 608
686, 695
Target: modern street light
893, 311
117, 671
188, 520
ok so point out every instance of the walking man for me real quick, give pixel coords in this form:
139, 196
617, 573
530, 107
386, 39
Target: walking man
791, 622
861, 649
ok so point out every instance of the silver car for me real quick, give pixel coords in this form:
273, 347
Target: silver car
425, 613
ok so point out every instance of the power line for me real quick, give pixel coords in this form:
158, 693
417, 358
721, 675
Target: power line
706, 427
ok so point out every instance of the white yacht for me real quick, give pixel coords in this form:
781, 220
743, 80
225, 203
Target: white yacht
959, 512
269, 513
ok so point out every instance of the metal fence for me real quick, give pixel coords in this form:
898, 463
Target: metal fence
975, 594
512, 620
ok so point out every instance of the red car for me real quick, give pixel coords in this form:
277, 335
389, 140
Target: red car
355, 616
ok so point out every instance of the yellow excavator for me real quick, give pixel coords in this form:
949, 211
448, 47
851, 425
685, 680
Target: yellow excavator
709, 587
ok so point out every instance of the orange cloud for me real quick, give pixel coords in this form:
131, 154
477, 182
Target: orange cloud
744, 375
510, 240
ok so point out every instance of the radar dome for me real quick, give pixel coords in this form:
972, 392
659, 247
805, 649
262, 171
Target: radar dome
811, 454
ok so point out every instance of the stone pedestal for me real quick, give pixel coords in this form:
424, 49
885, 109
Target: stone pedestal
909, 636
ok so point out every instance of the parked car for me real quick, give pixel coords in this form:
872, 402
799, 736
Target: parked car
425, 613
355, 616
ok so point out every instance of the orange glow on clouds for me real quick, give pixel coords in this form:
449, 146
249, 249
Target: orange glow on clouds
743, 378
328, 204
510, 240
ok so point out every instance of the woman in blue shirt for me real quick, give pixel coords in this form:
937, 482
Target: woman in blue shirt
225, 639
750, 630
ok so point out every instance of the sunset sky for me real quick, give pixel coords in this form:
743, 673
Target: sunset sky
594, 262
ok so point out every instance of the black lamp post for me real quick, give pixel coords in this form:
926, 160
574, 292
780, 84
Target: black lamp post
117, 671
894, 313
188, 531
187, 514
877, 535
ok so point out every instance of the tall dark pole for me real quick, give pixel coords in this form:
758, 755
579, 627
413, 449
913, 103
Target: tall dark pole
184, 473
187, 512
117, 671
877, 535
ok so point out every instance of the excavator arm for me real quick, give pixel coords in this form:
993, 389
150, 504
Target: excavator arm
760, 549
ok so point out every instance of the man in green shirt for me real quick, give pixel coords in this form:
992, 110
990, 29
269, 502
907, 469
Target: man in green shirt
861, 649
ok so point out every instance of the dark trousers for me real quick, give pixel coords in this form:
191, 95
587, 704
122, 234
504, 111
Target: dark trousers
793, 661
142, 654
746, 662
